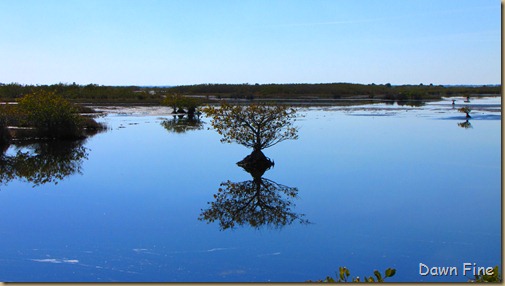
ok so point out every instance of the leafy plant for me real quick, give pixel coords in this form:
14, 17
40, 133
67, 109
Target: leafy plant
466, 110
495, 277
181, 103
344, 276
51, 115
256, 126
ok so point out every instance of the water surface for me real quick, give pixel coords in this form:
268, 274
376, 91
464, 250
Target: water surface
382, 186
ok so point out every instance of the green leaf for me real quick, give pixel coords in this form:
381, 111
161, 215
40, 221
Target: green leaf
342, 271
390, 272
378, 275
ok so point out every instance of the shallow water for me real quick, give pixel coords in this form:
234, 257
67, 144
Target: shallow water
382, 186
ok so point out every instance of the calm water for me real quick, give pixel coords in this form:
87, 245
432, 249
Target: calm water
381, 185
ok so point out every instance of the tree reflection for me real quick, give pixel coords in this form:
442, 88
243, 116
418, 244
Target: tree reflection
257, 202
465, 124
412, 103
182, 124
43, 162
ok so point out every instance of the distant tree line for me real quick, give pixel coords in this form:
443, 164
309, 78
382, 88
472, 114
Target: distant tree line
76, 92
99, 93
336, 90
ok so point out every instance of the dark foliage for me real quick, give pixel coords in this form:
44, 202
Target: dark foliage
41, 162
74, 92
4, 132
336, 90
98, 93
256, 203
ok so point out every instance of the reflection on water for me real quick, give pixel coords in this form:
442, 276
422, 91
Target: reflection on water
42, 162
413, 103
466, 124
257, 202
182, 124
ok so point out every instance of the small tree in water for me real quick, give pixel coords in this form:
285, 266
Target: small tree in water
178, 103
256, 126
466, 110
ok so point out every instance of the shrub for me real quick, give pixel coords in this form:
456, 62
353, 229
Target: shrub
178, 103
483, 278
51, 115
344, 275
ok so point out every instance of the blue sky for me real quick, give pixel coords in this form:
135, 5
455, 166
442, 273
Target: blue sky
149, 42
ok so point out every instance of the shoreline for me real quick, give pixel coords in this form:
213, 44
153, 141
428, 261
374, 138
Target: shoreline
445, 103
312, 101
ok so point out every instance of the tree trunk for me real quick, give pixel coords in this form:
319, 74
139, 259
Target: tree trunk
191, 112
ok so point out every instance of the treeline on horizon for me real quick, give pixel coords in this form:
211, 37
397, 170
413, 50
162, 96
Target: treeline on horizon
100, 93
335, 90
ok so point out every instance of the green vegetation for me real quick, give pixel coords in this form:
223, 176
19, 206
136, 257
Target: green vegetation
466, 110
81, 93
344, 274
256, 126
258, 202
52, 116
494, 278
49, 126
182, 104
49, 116
332, 92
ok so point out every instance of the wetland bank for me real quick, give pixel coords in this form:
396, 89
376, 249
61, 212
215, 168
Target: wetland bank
159, 197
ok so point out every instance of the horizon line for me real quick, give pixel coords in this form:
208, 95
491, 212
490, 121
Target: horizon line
245, 83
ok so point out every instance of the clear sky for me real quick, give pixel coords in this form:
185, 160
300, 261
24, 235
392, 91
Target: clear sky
169, 42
